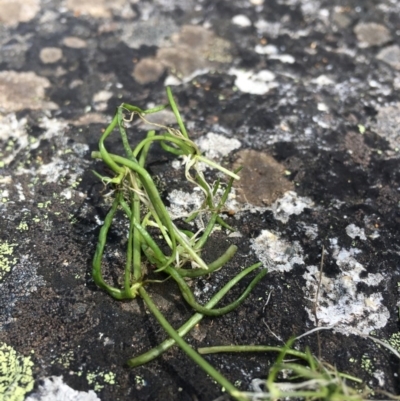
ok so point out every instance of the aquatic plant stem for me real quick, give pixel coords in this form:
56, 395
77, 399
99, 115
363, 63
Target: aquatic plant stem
176, 112
189, 297
247, 348
209, 369
196, 318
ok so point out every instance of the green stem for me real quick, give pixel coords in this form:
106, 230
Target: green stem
217, 166
248, 348
136, 238
145, 150
124, 136
176, 112
212, 267
151, 190
186, 149
189, 297
190, 352
98, 256
196, 318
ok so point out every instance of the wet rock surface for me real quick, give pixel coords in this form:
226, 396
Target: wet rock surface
309, 92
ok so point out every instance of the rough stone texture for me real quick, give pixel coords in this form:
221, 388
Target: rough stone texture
306, 92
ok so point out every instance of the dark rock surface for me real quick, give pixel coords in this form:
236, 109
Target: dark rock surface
310, 86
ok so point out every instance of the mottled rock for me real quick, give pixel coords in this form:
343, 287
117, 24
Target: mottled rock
391, 56
50, 55
372, 34
23, 90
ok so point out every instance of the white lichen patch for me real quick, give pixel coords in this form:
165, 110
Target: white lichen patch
54, 170
16, 376
310, 231
353, 232
52, 126
54, 388
255, 83
340, 303
275, 253
182, 204
216, 146
290, 203
58, 167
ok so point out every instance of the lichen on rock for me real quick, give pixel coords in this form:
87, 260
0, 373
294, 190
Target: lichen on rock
16, 377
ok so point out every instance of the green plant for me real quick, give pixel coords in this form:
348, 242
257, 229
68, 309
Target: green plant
306, 377
135, 191
302, 377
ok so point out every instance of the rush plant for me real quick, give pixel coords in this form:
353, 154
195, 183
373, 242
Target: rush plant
136, 195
